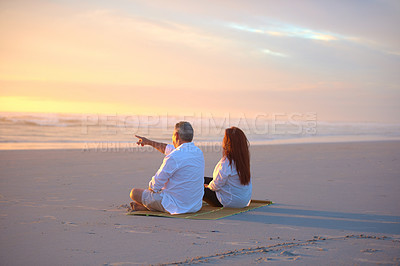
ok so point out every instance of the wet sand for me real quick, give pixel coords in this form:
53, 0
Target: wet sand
335, 203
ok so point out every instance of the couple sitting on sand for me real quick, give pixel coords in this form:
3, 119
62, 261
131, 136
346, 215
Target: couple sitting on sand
179, 186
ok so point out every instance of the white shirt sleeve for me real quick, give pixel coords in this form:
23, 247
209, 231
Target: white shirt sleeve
167, 169
220, 175
168, 149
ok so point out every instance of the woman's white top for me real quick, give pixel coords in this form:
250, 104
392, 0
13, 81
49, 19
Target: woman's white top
226, 184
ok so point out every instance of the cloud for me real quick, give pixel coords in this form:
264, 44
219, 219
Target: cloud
281, 30
269, 52
286, 30
156, 28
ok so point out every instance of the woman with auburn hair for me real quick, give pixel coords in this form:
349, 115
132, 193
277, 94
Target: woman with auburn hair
231, 185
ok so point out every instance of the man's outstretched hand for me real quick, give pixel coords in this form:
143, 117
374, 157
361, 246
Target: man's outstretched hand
142, 141
157, 145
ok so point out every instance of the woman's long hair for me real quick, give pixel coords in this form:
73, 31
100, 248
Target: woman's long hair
236, 148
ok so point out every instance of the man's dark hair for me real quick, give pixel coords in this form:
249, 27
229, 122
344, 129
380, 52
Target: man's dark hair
185, 131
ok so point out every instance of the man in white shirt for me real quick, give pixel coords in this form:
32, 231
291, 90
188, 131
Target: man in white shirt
178, 186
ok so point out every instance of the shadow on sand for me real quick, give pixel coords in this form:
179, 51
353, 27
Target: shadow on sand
278, 214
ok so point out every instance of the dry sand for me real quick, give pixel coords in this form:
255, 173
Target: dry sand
335, 204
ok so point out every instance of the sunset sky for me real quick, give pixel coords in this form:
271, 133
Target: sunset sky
339, 59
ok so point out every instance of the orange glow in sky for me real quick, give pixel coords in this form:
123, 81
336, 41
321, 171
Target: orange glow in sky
140, 57
37, 105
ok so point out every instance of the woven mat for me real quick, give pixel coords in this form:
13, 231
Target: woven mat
207, 212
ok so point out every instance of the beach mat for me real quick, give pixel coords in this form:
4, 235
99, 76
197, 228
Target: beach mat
207, 212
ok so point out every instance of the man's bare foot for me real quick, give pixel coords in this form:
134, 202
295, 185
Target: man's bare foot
137, 207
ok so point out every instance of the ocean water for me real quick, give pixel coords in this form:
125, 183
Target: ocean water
116, 132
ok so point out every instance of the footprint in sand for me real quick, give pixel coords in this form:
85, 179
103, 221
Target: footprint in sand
369, 250
283, 256
138, 232
51, 217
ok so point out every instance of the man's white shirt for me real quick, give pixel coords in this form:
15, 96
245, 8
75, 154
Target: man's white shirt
180, 179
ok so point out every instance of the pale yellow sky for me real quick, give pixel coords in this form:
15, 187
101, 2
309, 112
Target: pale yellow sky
136, 57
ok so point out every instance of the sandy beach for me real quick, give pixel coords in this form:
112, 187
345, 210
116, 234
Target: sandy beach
335, 204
